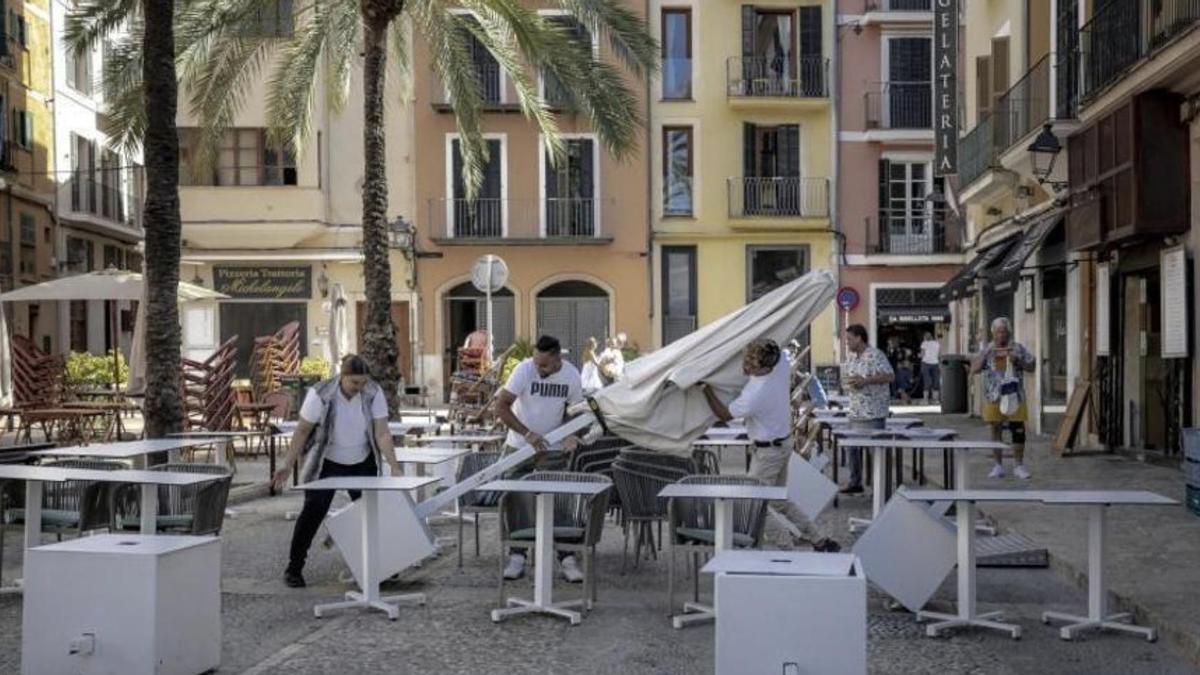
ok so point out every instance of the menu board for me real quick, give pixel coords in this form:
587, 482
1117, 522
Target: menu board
1174, 303
1103, 345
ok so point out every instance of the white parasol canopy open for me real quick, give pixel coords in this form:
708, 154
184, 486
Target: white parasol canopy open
339, 327
656, 405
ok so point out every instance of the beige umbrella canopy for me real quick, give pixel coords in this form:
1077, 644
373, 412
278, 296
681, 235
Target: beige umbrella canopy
339, 327
109, 284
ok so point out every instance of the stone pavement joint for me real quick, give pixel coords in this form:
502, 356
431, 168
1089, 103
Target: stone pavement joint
330, 628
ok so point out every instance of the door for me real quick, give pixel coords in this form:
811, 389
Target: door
573, 321
483, 217
248, 320
403, 343
769, 51
909, 88
1054, 338
771, 162
904, 211
678, 292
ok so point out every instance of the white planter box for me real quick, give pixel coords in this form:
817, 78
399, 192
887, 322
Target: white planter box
123, 604
790, 613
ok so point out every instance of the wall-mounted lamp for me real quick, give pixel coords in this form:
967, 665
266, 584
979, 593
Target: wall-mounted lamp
1044, 150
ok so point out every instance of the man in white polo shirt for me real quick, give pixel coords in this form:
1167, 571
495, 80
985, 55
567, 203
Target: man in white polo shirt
531, 404
343, 431
765, 403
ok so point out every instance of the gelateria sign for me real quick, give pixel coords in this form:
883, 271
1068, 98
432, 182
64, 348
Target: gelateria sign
264, 283
945, 86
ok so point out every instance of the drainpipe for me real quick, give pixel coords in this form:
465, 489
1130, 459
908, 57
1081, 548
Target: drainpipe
649, 196
835, 191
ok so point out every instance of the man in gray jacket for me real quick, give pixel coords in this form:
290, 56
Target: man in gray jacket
343, 431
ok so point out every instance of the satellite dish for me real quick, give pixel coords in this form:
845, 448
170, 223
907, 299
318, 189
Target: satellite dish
489, 274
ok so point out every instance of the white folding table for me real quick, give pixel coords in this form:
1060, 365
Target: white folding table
1096, 500
370, 486
543, 580
35, 476
722, 497
470, 441
729, 442
875, 445
135, 451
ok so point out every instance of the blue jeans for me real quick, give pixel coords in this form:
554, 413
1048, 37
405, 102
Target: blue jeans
856, 454
930, 378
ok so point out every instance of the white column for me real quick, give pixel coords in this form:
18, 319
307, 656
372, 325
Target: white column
966, 559
370, 525
543, 584
1097, 605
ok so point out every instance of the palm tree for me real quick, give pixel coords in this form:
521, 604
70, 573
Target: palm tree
221, 53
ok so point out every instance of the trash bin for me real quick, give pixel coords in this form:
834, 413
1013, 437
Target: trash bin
1191, 469
955, 369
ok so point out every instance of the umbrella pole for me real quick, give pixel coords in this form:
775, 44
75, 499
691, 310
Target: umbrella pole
116, 346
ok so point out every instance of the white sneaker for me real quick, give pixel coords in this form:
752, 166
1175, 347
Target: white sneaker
997, 471
1021, 472
515, 569
570, 570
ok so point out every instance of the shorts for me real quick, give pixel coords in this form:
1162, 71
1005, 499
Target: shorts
992, 414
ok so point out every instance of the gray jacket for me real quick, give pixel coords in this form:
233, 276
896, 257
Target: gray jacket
314, 449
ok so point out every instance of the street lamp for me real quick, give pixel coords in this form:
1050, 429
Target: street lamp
1044, 151
402, 235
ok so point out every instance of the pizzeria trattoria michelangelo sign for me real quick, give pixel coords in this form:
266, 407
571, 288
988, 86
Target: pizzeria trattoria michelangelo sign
264, 283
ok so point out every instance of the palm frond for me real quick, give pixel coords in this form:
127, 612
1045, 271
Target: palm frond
122, 85
403, 69
623, 29
345, 33
90, 21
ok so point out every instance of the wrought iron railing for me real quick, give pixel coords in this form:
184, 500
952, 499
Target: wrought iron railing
487, 74
97, 198
897, 6
496, 218
899, 105
1024, 107
779, 197
1122, 32
977, 151
570, 216
903, 232
777, 77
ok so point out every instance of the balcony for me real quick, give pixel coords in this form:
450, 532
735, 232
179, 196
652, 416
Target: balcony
90, 197
897, 232
893, 12
565, 220
779, 197
494, 92
753, 81
900, 106
1123, 32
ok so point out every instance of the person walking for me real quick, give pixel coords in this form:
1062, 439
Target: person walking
612, 359
765, 405
931, 351
531, 404
1004, 363
589, 367
868, 376
343, 431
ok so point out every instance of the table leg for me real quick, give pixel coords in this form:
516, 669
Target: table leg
878, 480
33, 528
695, 612
149, 508
369, 597
1098, 617
966, 616
543, 578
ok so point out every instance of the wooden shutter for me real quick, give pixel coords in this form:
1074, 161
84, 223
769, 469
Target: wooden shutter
587, 173
885, 176
749, 17
983, 87
493, 187
552, 187
1000, 70
456, 168
811, 66
789, 150
749, 133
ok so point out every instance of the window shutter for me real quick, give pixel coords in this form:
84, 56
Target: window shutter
21, 31
812, 65
789, 150
983, 88
70, 67
999, 66
748, 138
885, 173
587, 173
456, 168
748, 20
552, 176
492, 185
3, 32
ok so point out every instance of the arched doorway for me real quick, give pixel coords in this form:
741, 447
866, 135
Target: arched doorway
466, 311
573, 311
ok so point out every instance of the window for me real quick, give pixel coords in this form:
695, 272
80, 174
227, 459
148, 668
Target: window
114, 257
909, 87
679, 292
28, 245
483, 217
677, 171
16, 29
570, 189
769, 267
79, 71
677, 53
112, 199
552, 90
273, 20
79, 326
137, 195
80, 255
772, 185
23, 128
83, 175
487, 69
243, 158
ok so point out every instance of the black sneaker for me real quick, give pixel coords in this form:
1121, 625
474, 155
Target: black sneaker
293, 579
827, 546
852, 490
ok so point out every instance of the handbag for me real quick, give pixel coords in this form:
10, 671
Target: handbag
1010, 390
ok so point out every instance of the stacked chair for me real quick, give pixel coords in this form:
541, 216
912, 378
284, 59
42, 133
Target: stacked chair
639, 475
182, 509
208, 397
69, 507
37, 376
274, 356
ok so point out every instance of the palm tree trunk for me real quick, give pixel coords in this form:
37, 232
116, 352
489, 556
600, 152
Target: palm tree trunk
379, 333
164, 407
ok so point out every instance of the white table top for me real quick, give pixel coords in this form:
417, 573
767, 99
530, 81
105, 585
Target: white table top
234, 433
914, 432
55, 474
921, 444
786, 563
125, 449
542, 487
422, 457
372, 483
397, 428
721, 442
1056, 497
890, 421
723, 491
462, 438
724, 432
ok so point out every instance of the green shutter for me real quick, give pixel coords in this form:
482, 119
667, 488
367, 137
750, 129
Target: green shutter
27, 136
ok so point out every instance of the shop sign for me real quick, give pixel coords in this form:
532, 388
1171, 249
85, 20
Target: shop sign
945, 86
264, 283
1174, 303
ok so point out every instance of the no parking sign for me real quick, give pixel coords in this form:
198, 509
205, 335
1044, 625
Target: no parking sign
847, 298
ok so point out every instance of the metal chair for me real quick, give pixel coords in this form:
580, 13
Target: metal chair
706, 461
187, 509
79, 505
475, 502
638, 487
692, 528
578, 523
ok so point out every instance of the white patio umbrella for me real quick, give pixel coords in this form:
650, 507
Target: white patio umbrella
339, 326
109, 284
6, 389
656, 405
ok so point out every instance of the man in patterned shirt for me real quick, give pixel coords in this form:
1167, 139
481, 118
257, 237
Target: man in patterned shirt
993, 362
867, 376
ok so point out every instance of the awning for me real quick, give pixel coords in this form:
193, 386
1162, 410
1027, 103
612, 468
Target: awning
962, 283
1007, 271
917, 314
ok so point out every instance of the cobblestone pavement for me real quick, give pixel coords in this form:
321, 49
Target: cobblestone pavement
268, 628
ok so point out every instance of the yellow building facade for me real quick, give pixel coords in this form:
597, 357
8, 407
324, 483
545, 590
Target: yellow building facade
741, 149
